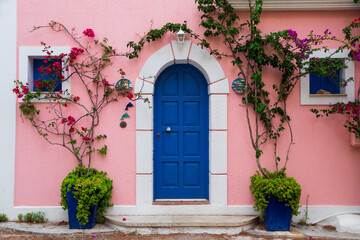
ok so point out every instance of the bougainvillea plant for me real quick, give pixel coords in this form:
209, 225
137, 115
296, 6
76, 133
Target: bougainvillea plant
72, 121
251, 51
351, 108
64, 119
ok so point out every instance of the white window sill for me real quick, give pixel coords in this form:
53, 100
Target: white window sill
299, 5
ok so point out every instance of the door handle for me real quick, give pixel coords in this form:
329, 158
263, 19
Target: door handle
158, 135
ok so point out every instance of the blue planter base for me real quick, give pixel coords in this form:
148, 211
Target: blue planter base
277, 216
72, 211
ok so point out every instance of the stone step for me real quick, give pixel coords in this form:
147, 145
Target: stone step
191, 221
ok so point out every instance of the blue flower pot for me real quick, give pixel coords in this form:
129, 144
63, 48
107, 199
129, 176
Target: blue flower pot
277, 216
72, 211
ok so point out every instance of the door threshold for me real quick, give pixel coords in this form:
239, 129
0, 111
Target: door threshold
181, 202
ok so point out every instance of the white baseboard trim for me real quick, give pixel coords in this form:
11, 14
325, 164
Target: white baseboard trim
315, 213
318, 213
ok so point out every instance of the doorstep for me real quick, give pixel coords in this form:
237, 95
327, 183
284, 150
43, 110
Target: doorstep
227, 224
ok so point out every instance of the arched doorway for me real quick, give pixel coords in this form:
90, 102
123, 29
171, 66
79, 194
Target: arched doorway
217, 90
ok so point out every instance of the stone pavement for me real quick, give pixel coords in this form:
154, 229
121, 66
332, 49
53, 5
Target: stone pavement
102, 230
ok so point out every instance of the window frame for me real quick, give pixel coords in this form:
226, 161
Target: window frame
346, 93
299, 5
27, 55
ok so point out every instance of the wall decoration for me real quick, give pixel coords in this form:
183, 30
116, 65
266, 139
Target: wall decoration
123, 86
129, 105
123, 124
238, 86
125, 115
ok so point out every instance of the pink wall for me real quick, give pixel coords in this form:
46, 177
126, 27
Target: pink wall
322, 160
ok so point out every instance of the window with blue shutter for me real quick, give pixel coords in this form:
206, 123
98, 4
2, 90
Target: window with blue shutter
37, 75
328, 84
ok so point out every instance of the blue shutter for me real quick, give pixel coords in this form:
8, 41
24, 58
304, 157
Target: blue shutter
37, 63
326, 83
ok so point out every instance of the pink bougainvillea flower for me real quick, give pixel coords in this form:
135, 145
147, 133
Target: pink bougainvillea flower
16, 90
25, 89
89, 32
130, 95
57, 65
75, 52
20, 95
37, 84
76, 99
106, 83
70, 120
86, 139
124, 219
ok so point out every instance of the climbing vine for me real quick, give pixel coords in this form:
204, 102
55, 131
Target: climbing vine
250, 52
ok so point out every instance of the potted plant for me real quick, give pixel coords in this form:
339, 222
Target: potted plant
71, 122
86, 196
277, 198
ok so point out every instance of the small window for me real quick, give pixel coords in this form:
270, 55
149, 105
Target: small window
32, 58
320, 90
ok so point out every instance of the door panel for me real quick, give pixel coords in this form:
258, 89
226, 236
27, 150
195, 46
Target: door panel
181, 134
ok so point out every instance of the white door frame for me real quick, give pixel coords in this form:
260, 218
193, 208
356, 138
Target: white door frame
218, 89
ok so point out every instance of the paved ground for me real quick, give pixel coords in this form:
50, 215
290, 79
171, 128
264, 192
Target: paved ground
52, 231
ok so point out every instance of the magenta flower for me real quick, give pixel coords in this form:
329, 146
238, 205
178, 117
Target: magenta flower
75, 52
86, 139
89, 32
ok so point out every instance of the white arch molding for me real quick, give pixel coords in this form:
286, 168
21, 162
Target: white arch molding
218, 89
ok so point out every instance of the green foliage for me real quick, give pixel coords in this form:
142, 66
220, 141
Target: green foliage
33, 217
251, 51
91, 188
278, 185
103, 150
304, 220
3, 217
351, 108
352, 124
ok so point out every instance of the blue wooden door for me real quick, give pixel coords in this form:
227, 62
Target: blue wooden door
181, 134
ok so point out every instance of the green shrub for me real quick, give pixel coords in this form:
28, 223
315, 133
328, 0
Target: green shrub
278, 185
34, 217
3, 217
90, 189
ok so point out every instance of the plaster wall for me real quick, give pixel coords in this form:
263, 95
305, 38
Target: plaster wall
321, 160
